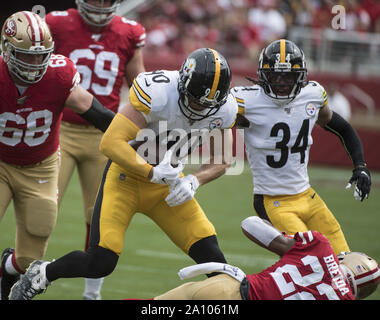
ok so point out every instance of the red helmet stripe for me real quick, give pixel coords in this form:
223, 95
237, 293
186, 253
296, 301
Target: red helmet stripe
367, 277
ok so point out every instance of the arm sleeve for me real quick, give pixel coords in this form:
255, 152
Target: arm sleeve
349, 137
115, 146
98, 115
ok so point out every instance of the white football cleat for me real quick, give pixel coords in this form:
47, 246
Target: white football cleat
31, 283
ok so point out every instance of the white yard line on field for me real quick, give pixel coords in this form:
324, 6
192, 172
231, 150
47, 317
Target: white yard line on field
239, 259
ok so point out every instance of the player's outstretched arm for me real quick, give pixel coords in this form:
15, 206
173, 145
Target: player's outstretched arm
361, 177
89, 108
114, 143
184, 189
265, 235
220, 158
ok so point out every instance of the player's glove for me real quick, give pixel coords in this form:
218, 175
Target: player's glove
182, 190
164, 172
362, 180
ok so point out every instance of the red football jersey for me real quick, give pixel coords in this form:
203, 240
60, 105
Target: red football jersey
100, 58
309, 270
29, 123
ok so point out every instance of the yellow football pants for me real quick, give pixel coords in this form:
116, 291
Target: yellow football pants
302, 212
123, 194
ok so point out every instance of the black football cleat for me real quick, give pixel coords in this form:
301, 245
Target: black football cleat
8, 280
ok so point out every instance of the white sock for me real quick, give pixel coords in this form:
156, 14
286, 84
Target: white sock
93, 287
9, 267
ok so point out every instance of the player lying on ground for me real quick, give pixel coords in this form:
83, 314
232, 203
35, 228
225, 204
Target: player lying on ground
307, 270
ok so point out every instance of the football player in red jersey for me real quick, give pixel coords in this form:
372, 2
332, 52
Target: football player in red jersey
106, 49
307, 270
36, 86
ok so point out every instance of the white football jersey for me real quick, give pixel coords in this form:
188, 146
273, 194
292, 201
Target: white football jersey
279, 138
155, 94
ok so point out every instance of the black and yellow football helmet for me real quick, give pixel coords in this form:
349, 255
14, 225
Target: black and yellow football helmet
204, 84
282, 70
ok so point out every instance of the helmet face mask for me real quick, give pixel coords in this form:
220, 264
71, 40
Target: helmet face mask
204, 84
97, 15
282, 71
27, 46
361, 271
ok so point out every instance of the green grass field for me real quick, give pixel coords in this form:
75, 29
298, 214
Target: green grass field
149, 263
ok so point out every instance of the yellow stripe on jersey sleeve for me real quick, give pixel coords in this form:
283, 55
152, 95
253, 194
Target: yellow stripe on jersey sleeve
324, 98
139, 99
241, 105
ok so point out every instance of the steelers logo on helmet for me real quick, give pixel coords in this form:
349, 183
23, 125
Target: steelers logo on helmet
27, 45
98, 15
204, 84
189, 67
282, 71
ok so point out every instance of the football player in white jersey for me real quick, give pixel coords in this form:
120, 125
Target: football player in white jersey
282, 109
187, 101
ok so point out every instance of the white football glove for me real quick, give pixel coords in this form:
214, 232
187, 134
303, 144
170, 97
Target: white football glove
164, 172
182, 190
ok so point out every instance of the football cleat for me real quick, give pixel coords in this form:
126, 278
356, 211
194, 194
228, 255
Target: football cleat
8, 280
92, 296
31, 283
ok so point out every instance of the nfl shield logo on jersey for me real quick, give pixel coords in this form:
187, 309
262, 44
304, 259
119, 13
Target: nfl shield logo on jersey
310, 109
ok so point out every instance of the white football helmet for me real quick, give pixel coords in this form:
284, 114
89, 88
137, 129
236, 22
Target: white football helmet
97, 16
361, 271
26, 33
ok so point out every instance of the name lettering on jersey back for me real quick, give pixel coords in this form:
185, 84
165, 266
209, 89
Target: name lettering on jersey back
338, 280
24, 110
96, 46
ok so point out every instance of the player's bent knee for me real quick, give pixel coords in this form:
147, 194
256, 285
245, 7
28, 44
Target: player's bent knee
112, 240
206, 250
102, 262
40, 220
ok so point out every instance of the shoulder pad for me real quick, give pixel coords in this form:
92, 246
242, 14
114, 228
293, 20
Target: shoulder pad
240, 93
132, 30
65, 70
147, 93
317, 92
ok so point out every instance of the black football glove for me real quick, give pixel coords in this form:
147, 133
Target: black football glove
362, 180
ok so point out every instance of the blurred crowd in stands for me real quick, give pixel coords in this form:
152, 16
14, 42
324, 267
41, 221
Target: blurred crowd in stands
240, 28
